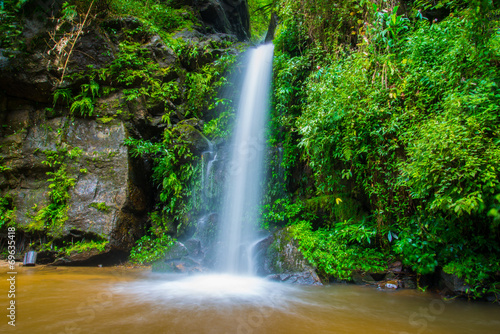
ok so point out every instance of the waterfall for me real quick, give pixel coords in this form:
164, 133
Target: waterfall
207, 160
243, 186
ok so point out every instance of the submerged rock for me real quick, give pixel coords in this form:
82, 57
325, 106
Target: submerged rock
390, 285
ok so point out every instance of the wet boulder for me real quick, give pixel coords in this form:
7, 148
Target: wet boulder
180, 258
279, 258
187, 132
303, 278
452, 283
362, 278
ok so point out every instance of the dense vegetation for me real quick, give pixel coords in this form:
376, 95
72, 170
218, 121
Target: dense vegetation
385, 114
184, 90
391, 135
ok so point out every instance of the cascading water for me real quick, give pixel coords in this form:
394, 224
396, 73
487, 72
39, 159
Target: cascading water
207, 159
236, 223
245, 172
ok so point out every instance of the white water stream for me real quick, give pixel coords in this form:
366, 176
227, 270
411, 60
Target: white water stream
244, 182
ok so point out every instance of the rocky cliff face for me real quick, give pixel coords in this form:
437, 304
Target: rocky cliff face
103, 173
47, 151
227, 16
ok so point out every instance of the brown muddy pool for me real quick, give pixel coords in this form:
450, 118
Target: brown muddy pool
120, 300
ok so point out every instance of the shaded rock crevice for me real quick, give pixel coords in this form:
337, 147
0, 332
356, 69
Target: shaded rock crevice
226, 16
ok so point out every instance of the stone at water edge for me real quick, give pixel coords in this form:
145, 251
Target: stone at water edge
362, 278
278, 258
303, 278
452, 283
179, 259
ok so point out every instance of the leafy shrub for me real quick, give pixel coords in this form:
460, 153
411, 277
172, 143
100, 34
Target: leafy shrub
476, 270
11, 25
158, 15
406, 124
149, 249
51, 218
172, 170
83, 104
337, 252
7, 211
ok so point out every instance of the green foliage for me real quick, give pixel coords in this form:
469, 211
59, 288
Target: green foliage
158, 16
289, 75
476, 270
7, 212
202, 86
419, 244
68, 12
149, 249
406, 124
495, 211
3, 168
198, 84
284, 212
363, 122
160, 224
100, 206
84, 102
84, 246
135, 68
63, 94
172, 170
218, 127
132, 66
51, 218
337, 252
66, 248
144, 80
260, 15
324, 23
11, 26
387, 28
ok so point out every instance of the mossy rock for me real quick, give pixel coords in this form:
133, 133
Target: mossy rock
279, 258
186, 132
